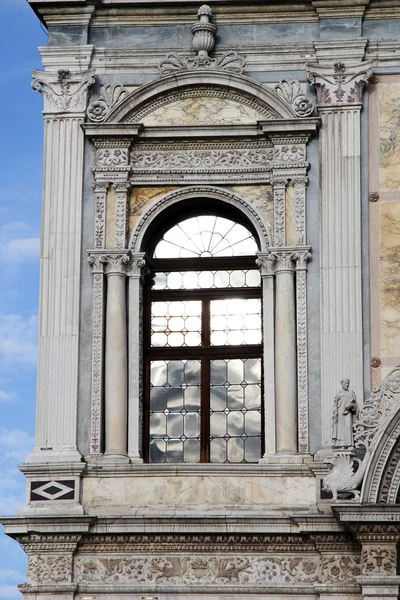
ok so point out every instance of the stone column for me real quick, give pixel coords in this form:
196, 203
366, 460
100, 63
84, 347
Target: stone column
339, 90
135, 370
285, 353
116, 356
65, 97
266, 263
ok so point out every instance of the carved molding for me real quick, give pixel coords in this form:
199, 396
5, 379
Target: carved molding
122, 189
208, 91
302, 257
112, 157
299, 184
229, 61
279, 192
64, 91
339, 84
98, 304
100, 191
291, 91
195, 192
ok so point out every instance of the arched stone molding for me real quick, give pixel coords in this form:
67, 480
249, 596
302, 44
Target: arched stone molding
194, 192
382, 479
269, 102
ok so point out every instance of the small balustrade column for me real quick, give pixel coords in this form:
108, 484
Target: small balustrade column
135, 312
116, 352
266, 261
285, 353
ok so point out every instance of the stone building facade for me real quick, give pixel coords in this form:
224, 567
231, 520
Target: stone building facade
280, 119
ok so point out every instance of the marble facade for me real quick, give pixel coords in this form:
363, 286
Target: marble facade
288, 117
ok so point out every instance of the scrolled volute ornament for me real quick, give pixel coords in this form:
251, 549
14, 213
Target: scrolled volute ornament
98, 110
291, 91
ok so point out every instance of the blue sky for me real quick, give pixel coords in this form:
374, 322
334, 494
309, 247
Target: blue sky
20, 203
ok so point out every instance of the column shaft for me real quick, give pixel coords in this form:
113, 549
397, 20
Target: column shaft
341, 289
116, 380
285, 363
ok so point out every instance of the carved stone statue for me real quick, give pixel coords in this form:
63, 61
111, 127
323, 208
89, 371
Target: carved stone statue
345, 408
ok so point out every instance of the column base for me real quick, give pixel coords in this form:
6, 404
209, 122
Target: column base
113, 458
379, 587
53, 455
285, 458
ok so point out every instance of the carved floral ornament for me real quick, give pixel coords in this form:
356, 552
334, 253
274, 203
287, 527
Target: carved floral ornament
339, 84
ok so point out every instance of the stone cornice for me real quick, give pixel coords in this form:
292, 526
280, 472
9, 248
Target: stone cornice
340, 9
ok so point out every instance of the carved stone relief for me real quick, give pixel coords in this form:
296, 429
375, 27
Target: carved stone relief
339, 84
45, 568
64, 91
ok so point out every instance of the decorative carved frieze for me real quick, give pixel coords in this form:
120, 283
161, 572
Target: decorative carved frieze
198, 570
47, 568
379, 560
339, 84
100, 191
279, 191
340, 568
201, 157
112, 157
110, 95
302, 257
64, 91
291, 91
97, 391
121, 213
299, 184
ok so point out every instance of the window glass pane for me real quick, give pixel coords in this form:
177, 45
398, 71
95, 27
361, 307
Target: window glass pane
196, 280
175, 324
175, 411
204, 236
235, 410
235, 321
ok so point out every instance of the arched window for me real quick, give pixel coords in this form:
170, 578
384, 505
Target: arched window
203, 344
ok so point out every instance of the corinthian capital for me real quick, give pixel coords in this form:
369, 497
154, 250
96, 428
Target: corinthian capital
339, 84
64, 91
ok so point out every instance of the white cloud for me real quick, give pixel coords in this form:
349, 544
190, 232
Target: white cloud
19, 242
15, 445
9, 592
18, 339
5, 397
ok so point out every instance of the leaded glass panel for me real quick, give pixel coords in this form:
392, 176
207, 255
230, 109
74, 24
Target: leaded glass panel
175, 411
206, 236
175, 324
235, 410
235, 321
195, 280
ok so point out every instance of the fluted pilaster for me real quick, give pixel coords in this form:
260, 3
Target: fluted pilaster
65, 97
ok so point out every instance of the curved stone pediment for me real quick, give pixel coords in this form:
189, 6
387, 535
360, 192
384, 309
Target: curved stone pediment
201, 97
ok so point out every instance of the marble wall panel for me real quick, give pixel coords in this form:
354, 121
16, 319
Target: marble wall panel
390, 277
141, 198
105, 495
260, 197
389, 136
384, 224
202, 110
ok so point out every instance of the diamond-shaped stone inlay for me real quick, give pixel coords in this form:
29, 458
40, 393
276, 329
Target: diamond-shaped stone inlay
52, 490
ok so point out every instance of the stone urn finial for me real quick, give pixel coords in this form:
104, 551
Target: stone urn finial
204, 32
